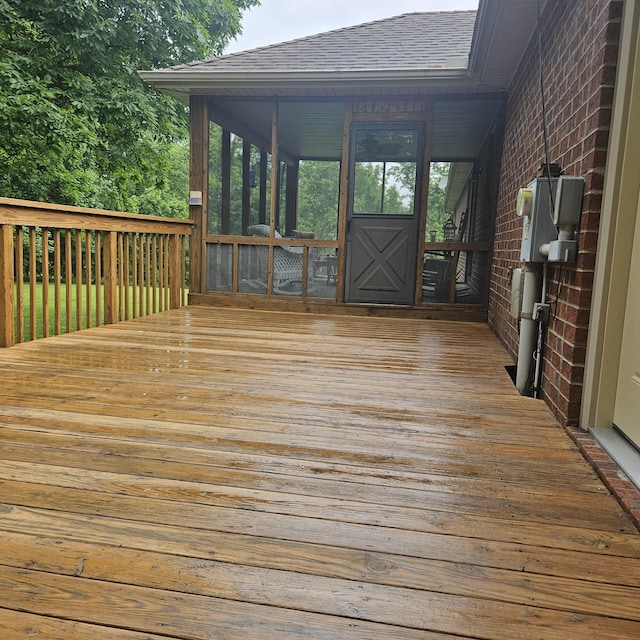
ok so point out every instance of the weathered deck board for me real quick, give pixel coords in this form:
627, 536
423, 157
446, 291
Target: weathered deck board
224, 473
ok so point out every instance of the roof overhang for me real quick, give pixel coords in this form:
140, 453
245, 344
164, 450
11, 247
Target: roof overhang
312, 99
182, 83
503, 30
457, 183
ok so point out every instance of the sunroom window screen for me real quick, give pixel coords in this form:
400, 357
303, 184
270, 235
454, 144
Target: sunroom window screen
385, 171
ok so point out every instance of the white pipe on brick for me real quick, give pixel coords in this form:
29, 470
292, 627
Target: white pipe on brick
528, 326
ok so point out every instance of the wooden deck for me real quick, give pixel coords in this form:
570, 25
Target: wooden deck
233, 474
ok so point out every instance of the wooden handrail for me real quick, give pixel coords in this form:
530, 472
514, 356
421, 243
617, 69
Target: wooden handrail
306, 250
276, 242
41, 214
94, 255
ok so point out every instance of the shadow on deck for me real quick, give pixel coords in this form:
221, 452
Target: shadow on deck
233, 474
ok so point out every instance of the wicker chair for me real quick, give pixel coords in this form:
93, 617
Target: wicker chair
287, 263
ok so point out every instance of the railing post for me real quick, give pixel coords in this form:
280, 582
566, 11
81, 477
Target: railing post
7, 337
176, 274
110, 274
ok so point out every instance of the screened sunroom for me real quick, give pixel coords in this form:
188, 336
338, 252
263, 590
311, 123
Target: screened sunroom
324, 179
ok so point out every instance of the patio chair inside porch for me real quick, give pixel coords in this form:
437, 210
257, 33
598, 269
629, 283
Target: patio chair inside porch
287, 263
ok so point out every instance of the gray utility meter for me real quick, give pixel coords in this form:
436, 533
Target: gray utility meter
551, 213
534, 205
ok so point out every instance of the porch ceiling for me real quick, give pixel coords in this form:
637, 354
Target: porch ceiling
313, 130
442, 54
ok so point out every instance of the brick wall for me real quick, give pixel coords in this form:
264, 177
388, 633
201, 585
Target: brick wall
579, 44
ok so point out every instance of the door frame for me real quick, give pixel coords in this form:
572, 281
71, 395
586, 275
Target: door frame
416, 216
627, 404
615, 239
389, 111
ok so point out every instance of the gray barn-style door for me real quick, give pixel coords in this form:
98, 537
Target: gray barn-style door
383, 214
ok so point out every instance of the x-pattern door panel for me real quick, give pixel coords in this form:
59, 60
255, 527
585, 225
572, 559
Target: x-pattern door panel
380, 269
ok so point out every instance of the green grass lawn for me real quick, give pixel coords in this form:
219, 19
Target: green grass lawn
39, 309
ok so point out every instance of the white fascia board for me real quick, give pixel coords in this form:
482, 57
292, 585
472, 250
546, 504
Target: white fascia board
174, 79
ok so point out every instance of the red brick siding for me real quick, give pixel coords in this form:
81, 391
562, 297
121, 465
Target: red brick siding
620, 486
579, 44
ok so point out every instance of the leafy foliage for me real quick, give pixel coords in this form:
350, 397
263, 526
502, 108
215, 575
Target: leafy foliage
318, 191
379, 187
215, 224
436, 214
318, 198
77, 125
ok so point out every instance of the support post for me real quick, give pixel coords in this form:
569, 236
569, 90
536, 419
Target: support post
246, 186
225, 184
343, 201
110, 274
198, 181
7, 325
176, 274
262, 214
275, 163
291, 199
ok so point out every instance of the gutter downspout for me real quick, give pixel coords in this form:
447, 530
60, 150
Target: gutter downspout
528, 326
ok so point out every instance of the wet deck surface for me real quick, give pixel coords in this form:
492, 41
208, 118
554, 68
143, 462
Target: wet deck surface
235, 474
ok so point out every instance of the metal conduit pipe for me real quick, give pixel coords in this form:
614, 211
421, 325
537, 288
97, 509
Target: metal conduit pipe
528, 326
541, 326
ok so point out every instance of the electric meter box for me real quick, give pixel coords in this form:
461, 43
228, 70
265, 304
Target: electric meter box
538, 226
568, 205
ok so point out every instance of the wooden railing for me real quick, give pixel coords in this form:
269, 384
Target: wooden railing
455, 272
238, 263
68, 268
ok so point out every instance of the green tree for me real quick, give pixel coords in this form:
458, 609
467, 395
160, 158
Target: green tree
318, 198
436, 214
165, 194
386, 187
77, 125
236, 169
368, 187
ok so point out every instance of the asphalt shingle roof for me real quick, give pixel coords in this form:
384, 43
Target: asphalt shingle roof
412, 41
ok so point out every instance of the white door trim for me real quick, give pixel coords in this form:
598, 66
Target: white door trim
615, 240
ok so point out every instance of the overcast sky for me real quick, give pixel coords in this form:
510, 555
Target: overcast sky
279, 20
